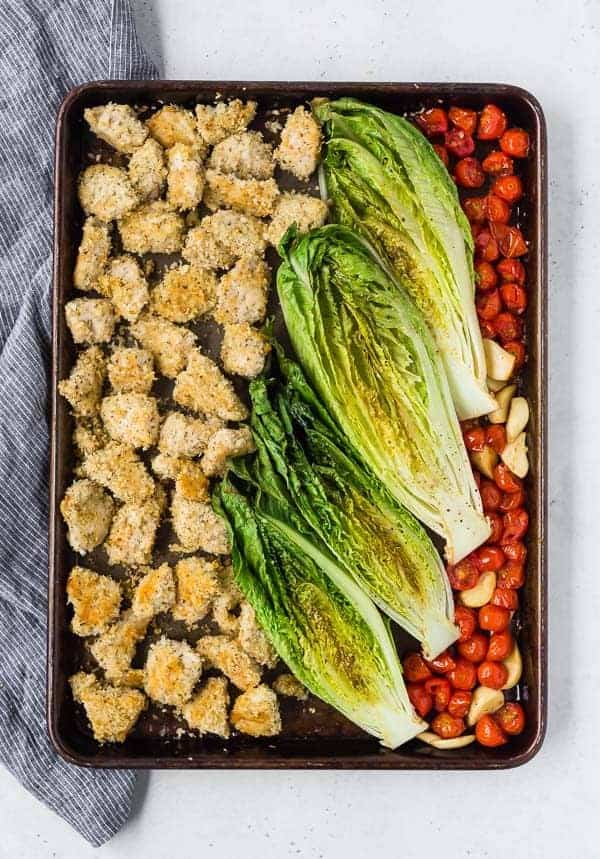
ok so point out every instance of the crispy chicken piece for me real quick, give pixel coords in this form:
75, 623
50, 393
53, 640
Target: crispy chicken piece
225, 444
289, 687
166, 467
191, 482
181, 435
246, 155
148, 171
131, 370
153, 228
197, 526
133, 532
243, 350
185, 179
172, 670
114, 649
300, 209
87, 509
226, 604
112, 712
253, 640
250, 196
172, 124
300, 146
222, 238
83, 388
90, 320
207, 710
96, 601
126, 286
217, 123
197, 586
242, 292
202, 388
132, 419
169, 344
119, 468
256, 712
106, 192
185, 293
92, 255
228, 657
155, 593
89, 436
118, 125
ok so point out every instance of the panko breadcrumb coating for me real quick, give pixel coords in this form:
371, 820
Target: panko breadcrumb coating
92, 255
112, 712
169, 344
228, 656
166, 467
191, 482
300, 209
181, 435
172, 124
250, 196
243, 350
90, 320
115, 648
256, 712
131, 370
222, 238
154, 593
185, 293
119, 468
207, 710
197, 526
172, 670
224, 444
126, 286
253, 640
289, 687
197, 585
83, 388
226, 604
202, 388
153, 228
89, 436
217, 123
96, 601
133, 532
131, 418
185, 179
148, 171
246, 155
106, 192
242, 292
117, 125
300, 146
88, 511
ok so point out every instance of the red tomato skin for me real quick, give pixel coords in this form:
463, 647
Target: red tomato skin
505, 598
440, 690
459, 143
505, 479
512, 500
442, 153
486, 246
474, 438
511, 718
515, 550
493, 618
497, 526
475, 648
511, 271
508, 188
517, 349
419, 698
501, 644
495, 437
463, 117
498, 209
443, 663
488, 733
513, 297
463, 575
516, 523
415, 668
486, 276
492, 674
492, 123
489, 305
447, 726
491, 496
487, 330
464, 676
512, 575
497, 163
459, 703
475, 209
466, 620
515, 142
490, 558
508, 326
468, 173
509, 239
433, 121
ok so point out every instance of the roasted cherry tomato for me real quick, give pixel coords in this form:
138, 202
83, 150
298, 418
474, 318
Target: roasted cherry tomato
486, 246
516, 523
459, 703
515, 142
487, 329
497, 163
489, 733
497, 526
419, 698
492, 674
505, 479
512, 575
447, 726
514, 550
516, 348
443, 662
464, 675
509, 239
493, 618
514, 297
415, 668
459, 142
498, 210
508, 326
490, 558
468, 173
440, 691
489, 305
512, 500
464, 575
466, 620
475, 648
486, 276
505, 598
475, 209
432, 121
442, 153
501, 644
463, 117
492, 123
491, 496
511, 718
511, 270
495, 437
508, 188
474, 438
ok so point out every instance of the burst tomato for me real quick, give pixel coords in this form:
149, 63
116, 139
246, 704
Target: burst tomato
459, 703
509, 239
505, 479
511, 270
492, 123
474, 439
515, 142
493, 618
474, 648
447, 726
497, 526
491, 496
505, 598
511, 718
501, 644
466, 620
498, 209
514, 550
490, 558
486, 246
463, 117
489, 305
415, 668
468, 173
459, 142
463, 575
489, 733
419, 698
513, 297
516, 348
440, 691
516, 523
464, 675
512, 575
492, 674
475, 209
497, 163
486, 276
508, 188
508, 326
432, 121
495, 437
512, 500
443, 663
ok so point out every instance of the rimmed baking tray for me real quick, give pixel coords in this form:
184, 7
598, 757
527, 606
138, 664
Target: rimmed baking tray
314, 735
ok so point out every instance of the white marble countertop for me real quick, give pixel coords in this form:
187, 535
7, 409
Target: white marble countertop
549, 807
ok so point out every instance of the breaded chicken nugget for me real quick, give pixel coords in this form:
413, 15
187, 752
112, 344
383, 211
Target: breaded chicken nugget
125, 284
96, 601
197, 585
222, 238
90, 320
250, 196
111, 711
92, 255
153, 228
256, 712
246, 155
207, 710
118, 468
118, 125
172, 670
185, 293
83, 388
243, 350
217, 123
228, 656
131, 418
181, 435
172, 124
133, 532
169, 344
197, 526
106, 192
202, 388
131, 370
223, 445
115, 648
154, 593
242, 293
148, 171
300, 146
88, 510
300, 209
185, 179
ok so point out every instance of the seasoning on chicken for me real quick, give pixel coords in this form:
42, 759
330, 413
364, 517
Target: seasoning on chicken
289, 687
126, 286
181, 435
111, 711
154, 593
242, 293
203, 388
117, 125
83, 388
197, 526
172, 124
172, 670
207, 710
185, 293
96, 601
224, 119
245, 154
243, 350
131, 370
114, 649
300, 209
118, 468
88, 510
89, 436
224, 444
185, 179
197, 585
92, 255
220, 239
300, 146
250, 196
169, 344
133, 532
132, 419
253, 640
228, 656
148, 171
153, 228
256, 712
106, 192
90, 320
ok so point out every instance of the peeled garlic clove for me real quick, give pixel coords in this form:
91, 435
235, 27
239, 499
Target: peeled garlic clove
485, 461
518, 418
514, 456
451, 743
483, 701
499, 362
503, 398
514, 665
481, 593
494, 385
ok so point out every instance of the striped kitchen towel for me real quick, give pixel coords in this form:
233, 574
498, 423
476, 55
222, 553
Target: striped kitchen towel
46, 47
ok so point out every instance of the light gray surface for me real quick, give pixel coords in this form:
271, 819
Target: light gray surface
548, 808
